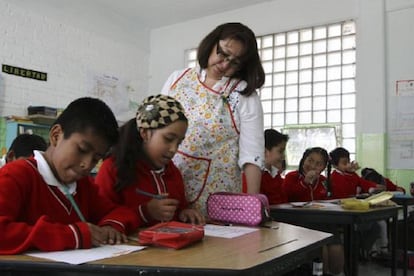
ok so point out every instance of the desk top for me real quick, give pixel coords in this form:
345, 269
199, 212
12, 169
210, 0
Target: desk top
256, 250
329, 213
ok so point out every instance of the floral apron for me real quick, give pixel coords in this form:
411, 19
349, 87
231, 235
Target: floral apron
208, 156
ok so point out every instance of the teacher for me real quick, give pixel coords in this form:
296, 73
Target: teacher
225, 133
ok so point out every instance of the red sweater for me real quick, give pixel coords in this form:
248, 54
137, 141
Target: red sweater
272, 188
297, 190
346, 184
34, 215
169, 181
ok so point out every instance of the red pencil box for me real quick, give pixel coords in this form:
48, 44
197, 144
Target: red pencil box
171, 234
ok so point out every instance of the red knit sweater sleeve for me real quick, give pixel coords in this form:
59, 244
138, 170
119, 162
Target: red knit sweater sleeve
21, 226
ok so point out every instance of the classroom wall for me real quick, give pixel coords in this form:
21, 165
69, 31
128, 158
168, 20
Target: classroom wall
168, 44
70, 50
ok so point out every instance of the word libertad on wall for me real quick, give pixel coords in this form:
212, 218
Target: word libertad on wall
25, 73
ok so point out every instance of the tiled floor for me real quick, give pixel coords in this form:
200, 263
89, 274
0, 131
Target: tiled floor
374, 269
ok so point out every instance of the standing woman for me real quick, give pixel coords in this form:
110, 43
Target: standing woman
225, 133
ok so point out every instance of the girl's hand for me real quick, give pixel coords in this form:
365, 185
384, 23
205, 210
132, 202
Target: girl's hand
162, 209
311, 177
192, 216
354, 166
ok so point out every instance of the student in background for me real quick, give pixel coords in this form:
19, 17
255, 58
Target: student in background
272, 182
379, 247
48, 201
373, 176
343, 180
140, 173
24, 145
307, 183
225, 132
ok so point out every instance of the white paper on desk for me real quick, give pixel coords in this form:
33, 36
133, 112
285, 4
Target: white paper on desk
227, 232
80, 256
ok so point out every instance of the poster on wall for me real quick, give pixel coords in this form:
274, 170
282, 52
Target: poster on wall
113, 92
401, 126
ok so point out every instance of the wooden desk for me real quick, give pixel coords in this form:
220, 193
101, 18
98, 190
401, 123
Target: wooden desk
263, 252
348, 219
404, 201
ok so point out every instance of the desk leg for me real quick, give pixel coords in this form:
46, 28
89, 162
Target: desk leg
351, 241
405, 236
354, 238
348, 248
394, 245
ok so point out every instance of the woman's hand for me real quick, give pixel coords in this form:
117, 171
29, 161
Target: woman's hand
192, 216
162, 209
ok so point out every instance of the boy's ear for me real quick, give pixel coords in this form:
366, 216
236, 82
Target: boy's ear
54, 134
10, 156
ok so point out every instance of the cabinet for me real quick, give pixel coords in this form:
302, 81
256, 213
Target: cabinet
14, 128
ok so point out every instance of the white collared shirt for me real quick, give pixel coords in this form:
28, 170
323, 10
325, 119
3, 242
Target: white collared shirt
48, 176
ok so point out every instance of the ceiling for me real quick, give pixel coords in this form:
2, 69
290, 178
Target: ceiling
148, 13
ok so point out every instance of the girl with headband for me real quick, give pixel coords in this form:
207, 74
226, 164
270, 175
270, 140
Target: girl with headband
140, 173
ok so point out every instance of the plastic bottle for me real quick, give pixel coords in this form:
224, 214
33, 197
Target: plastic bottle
317, 267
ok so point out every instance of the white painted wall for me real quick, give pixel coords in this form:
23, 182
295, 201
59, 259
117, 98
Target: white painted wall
168, 43
69, 50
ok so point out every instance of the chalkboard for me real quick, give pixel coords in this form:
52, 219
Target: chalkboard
304, 137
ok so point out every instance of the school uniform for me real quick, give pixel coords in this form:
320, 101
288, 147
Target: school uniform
297, 190
167, 180
390, 186
272, 186
346, 184
35, 213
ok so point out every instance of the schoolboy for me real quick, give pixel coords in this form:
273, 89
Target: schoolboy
272, 181
49, 202
24, 145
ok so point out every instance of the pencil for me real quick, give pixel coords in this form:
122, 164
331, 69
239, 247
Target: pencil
156, 196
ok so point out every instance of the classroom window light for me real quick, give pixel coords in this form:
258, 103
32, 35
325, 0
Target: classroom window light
310, 82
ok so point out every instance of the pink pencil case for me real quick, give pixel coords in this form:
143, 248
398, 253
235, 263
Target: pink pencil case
238, 208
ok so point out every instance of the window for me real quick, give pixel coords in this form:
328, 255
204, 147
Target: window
310, 79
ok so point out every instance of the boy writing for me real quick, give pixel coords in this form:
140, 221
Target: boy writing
48, 201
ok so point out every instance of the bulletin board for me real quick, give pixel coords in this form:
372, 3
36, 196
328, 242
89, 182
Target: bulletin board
304, 137
400, 88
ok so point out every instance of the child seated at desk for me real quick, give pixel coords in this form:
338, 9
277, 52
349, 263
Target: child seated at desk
48, 201
308, 184
140, 173
272, 181
374, 176
343, 180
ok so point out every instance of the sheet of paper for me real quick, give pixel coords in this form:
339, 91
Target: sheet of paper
228, 232
80, 256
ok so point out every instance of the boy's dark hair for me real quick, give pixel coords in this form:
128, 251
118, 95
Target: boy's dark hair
274, 138
372, 175
337, 154
251, 68
307, 152
85, 114
334, 157
24, 144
